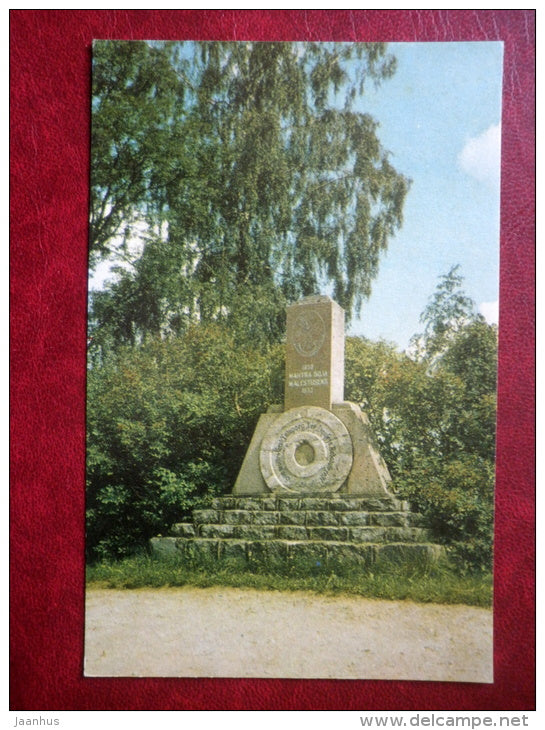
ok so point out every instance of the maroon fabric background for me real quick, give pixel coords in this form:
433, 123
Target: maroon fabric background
50, 86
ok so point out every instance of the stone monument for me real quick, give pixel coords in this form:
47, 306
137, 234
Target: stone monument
313, 486
317, 443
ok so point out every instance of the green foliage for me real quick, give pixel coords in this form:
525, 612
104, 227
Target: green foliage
456, 498
135, 91
430, 584
246, 173
168, 425
448, 310
434, 417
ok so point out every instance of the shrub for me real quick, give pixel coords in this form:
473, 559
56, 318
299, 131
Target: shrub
456, 499
436, 430
168, 426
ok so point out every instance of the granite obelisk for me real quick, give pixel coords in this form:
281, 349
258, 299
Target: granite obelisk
317, 443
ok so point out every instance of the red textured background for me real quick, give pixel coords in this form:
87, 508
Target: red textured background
50, 87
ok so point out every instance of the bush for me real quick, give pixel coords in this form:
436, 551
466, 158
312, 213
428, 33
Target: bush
436, 430
168, 425
456, 499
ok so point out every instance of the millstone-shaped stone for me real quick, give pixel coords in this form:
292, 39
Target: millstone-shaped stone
306, 450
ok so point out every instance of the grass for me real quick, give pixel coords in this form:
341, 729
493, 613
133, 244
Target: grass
425, 584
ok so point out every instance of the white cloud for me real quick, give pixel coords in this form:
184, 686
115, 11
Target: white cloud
490, 311
480, 157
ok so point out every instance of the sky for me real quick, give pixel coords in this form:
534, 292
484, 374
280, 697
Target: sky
440, 118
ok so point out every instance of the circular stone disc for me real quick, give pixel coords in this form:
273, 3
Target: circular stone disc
306, 449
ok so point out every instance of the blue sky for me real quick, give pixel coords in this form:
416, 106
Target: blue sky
439, 116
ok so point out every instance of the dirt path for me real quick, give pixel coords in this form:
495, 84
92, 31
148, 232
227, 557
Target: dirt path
226, 632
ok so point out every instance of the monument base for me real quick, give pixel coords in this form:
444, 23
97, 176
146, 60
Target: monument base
367, 476
330, 532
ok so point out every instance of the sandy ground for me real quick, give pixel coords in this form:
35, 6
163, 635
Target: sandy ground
226, 632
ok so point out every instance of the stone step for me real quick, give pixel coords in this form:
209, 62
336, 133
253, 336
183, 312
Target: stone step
303, 517
302, 532
315, 554
183, 529
293, 504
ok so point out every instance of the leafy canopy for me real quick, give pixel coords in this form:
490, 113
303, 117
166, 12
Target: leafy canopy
246, 170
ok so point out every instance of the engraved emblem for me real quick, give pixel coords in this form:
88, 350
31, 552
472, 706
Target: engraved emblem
308, 333
306, 449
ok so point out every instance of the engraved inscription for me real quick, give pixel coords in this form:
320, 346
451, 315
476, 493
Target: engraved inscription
308, 378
